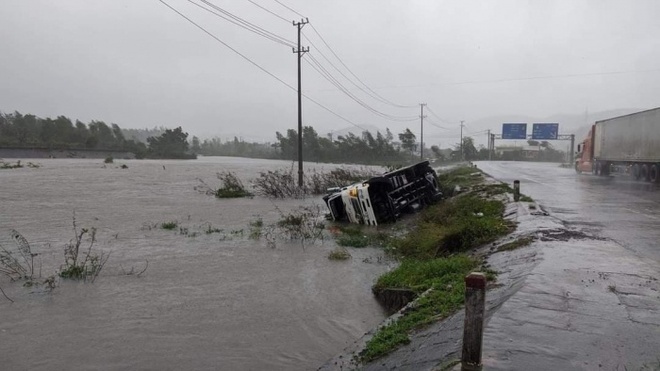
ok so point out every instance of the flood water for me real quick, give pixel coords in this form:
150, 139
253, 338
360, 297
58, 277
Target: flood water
212, 301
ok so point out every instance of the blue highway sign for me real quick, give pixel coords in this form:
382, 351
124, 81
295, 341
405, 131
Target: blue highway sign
545, 131
514, 131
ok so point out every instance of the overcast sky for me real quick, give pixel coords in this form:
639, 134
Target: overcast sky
139, 64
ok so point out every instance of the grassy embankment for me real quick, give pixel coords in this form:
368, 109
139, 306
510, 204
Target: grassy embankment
435, 254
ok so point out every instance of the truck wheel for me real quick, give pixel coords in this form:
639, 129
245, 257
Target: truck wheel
577, 168
654, 173
644, 172
605, 170
636, 171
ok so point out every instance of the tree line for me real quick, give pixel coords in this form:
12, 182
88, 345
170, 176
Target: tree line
29, 131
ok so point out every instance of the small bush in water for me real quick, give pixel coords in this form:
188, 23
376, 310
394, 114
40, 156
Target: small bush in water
232, 187
170, 226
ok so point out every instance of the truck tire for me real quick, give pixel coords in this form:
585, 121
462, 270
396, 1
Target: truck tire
605, 169
644, 172
654, 173
577, 168
635, 172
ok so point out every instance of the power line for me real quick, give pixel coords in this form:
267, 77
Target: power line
435, 124
438, 117
547, 77
290, 8
382, 99
228, 16
367, 92
257, 65
316, 65
270, 11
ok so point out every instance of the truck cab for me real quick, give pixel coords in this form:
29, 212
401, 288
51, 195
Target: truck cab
585, 153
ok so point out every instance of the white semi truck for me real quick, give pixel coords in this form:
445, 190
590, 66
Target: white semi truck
626, 144
382, 199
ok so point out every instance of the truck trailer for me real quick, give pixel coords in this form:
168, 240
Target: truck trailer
384, 198
628, 144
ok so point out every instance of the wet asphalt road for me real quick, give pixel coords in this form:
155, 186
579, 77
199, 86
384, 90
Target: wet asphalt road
614, 207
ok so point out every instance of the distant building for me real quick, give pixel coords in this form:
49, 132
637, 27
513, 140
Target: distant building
524, 152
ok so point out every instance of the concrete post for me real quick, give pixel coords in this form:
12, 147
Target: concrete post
473, 329
516, 190
572, 156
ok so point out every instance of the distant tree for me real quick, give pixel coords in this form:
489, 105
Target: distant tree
533, 143
470, 152
195, 145
171, 144
407, 139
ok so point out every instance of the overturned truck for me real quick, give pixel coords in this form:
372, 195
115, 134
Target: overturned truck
384, 198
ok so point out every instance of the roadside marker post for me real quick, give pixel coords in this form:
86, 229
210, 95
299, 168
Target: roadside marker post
473, 328
516, 190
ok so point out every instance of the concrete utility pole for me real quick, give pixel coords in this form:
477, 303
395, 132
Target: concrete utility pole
462, 156
421, 136
300, 51
489, 150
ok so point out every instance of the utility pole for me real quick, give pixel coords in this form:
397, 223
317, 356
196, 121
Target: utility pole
300, 51
421, 140
489, 151
462, 156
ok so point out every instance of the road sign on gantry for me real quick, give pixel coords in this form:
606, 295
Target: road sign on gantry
545, 131
514, 131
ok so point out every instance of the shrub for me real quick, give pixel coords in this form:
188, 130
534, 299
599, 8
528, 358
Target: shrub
340, 253
170, 226
232, 187
109, 160
82, 265
284, 183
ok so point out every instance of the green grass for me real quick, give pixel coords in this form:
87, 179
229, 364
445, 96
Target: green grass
455, 225
232, 193
521, 242
170, 226
463, 176
446, 277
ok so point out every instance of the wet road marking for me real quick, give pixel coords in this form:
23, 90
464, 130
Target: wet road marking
640, 213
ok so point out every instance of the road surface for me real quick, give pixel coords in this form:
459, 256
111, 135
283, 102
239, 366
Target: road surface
618, 208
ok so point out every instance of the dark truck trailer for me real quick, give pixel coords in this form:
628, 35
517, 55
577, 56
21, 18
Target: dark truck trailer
382, 199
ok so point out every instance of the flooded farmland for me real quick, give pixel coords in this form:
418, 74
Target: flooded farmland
206, 301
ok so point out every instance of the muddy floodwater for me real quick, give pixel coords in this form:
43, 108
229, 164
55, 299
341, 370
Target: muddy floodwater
206, 301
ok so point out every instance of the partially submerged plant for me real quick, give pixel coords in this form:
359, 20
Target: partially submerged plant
340, 253
82, 265
17, 266
304, 224
232, 187
283, 183
170, 226
7, 165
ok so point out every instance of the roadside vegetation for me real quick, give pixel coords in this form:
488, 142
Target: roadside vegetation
283, 183
82, 261
434, 254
